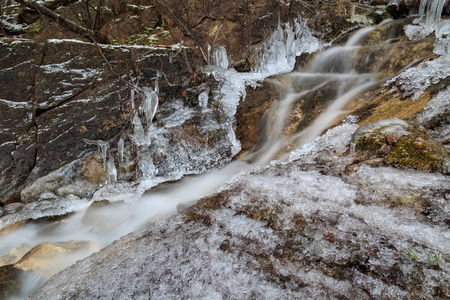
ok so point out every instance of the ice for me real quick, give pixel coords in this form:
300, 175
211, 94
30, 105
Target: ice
203, 98
111, 170
220, 57
102, 147
250, 245
139, 136
438, 106
284, 45
429, 20
414, 81
336, 140
150, 103
120, 149
442, 43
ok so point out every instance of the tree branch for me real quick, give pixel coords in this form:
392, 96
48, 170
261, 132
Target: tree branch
183, 27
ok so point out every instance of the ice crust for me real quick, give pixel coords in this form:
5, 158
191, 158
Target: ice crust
414, 81
429, 20
320, 234
438, 106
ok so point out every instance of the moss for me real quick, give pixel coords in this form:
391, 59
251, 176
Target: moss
413, 152
9, 282
142, 39
371, 142
35, 28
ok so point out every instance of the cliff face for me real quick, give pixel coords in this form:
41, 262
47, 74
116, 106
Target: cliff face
60, 93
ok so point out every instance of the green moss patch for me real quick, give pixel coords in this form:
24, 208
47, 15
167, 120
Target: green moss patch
415, 151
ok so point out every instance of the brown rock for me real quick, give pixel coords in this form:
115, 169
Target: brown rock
9, 282
48, 259
15, 255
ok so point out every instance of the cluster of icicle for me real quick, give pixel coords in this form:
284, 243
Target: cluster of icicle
149, 106
107, 158
284, 45
429, 20
149, 99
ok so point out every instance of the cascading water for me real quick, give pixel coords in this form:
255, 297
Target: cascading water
333, 66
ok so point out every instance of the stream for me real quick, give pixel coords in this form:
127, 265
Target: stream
333, 71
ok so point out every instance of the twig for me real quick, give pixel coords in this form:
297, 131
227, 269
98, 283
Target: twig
59, 19
183, 27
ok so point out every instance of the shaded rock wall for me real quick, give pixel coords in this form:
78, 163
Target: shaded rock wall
58, 93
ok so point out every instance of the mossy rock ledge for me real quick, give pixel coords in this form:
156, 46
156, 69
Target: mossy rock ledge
402, 145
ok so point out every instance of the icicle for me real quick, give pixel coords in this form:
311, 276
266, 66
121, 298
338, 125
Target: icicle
139, 137
284, 45
156, 83
203, 98
102, 147
352, 148
220, 57
120, 146
111, 170
132, 91
209, 53
150, 104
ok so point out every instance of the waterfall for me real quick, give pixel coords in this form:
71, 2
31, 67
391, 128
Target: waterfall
334, 66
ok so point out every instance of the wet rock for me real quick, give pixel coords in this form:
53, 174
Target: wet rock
14, 226
104, 215
401, 144
9, 282
299, 232
13, 208
47, 259
94, 170
15, 255
19, 64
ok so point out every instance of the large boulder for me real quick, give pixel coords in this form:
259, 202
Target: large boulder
401, 144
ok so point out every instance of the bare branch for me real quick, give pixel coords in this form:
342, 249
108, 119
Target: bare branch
183, 27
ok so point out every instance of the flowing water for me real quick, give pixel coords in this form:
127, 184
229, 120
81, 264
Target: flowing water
335, 66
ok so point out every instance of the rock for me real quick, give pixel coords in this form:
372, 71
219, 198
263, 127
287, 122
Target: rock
19, 64
104, 215
288, 228
9, 282
13, 208
401, 144
1, 211
15, 255
15, 226
48, 259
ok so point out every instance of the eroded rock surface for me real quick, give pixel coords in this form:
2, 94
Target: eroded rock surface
297, 229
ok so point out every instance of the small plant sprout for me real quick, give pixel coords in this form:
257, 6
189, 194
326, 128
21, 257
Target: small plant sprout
434, 256
410, 253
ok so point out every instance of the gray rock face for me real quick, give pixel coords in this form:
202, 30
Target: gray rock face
67, 93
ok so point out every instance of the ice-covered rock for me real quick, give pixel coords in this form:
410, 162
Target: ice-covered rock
284, 231
401, 144
414, 81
